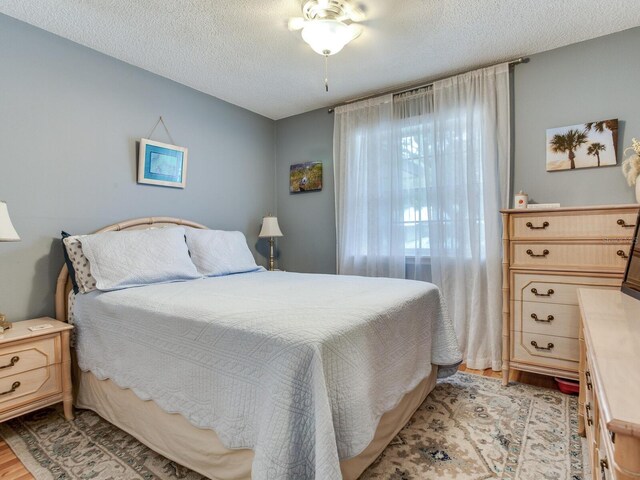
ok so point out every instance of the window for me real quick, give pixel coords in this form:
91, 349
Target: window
424, 189
415, 210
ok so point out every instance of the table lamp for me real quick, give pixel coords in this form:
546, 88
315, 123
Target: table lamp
7, 234
270, 230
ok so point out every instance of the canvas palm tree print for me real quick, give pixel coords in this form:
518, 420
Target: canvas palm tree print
592, 144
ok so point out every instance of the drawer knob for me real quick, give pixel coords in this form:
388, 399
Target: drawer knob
621, 253
587, 375
544, 225
14, 387
549, 318
537, 347
604, 465
588, 409
544, 253
624, 224
548, 294
11, 363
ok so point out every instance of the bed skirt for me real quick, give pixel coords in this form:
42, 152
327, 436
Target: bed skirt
201, 450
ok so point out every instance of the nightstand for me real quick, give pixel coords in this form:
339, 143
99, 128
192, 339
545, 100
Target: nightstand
35, 368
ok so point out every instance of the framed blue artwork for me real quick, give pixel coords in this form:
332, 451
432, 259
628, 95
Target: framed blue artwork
162, 164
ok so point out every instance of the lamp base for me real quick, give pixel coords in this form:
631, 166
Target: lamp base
272, 257
4, 324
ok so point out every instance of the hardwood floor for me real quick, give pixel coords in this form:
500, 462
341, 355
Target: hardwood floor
12, 469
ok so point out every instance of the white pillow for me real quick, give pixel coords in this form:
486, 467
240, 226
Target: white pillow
138, 257
216, 252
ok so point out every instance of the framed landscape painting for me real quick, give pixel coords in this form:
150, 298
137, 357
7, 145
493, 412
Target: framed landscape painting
305, 177
587, 145
162, 164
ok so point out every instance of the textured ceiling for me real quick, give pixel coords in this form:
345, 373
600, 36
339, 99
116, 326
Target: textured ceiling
241, 51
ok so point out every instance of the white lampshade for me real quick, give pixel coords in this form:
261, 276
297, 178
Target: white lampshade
270, 228
328, 37
7, 232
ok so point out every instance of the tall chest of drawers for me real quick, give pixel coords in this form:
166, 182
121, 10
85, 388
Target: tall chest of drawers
547, 256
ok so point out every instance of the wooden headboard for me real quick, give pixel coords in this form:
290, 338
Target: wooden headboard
63, 285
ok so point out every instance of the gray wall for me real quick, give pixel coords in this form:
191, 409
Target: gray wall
588, 81
69, 122
307, 219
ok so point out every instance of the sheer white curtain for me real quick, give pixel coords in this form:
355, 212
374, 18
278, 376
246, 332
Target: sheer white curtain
462, 124
447, 149
367, 187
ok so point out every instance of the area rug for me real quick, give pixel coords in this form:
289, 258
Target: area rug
469, 428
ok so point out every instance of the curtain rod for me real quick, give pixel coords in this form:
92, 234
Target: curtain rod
417, 86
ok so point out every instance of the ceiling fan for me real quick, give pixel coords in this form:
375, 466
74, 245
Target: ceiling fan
328, 25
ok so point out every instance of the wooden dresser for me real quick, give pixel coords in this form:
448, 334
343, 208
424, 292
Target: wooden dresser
547, 255
609, 402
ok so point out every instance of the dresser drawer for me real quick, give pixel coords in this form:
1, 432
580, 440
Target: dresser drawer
545, 288
27, 387
605, 457
610, 257
25, 356
555, 352
546, 318
594, 225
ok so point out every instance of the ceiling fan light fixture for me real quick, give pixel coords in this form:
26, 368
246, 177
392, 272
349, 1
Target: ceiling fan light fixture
296, 23
328, 37
327, 26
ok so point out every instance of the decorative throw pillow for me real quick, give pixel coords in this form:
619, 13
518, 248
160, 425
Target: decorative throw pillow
217, 252
80, 270
138, 257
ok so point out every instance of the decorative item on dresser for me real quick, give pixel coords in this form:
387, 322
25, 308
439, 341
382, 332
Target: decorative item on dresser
631, 166
610, 382
35, 367
547, 255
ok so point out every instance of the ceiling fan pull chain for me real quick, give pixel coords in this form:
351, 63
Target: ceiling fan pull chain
326, 71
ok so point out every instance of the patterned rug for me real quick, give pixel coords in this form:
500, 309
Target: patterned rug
469, 428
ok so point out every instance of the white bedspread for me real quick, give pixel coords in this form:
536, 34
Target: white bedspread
297, 367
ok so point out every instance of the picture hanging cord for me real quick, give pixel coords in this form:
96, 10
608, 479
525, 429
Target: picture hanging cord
165, 129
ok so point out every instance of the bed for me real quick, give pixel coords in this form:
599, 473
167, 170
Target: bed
260, 374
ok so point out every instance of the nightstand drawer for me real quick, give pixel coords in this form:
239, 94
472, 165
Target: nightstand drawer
28, 355
28, 387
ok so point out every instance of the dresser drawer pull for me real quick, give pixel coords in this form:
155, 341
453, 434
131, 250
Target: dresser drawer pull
548, 294
623, 224
11, 363
589, 419
604, 465
535, 345
544, 253
587, 375
549, 318
621, 253
14, 387
544, 225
